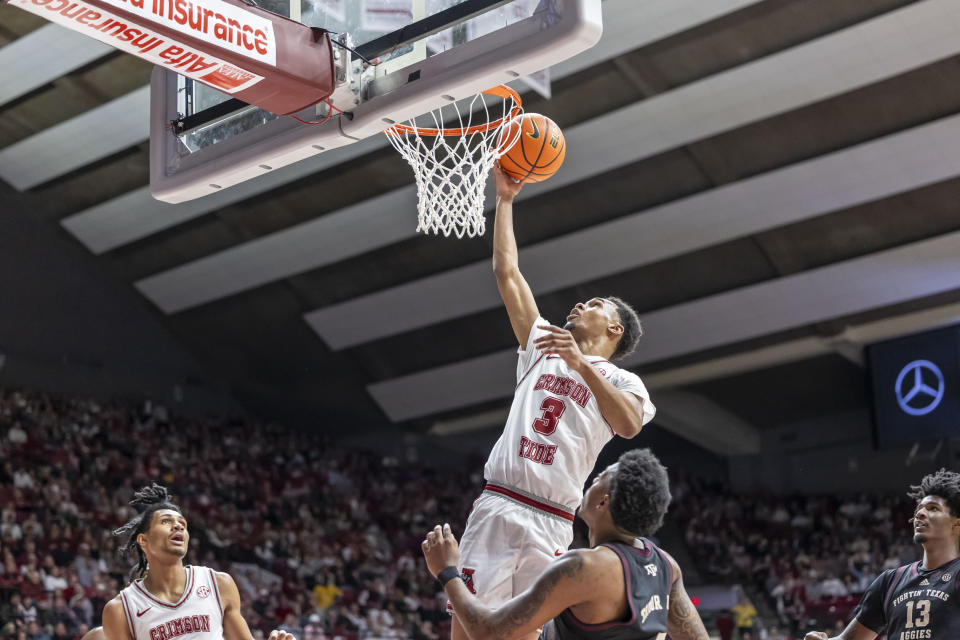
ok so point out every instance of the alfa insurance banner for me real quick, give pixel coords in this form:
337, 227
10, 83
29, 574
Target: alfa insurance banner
218, 23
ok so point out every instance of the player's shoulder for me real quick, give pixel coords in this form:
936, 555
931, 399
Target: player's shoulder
612, 369
598, 559
199, 568
888, 576
114, 606
223, 579
536, 327
601, 559
904, 568
606, 366
670, 561
219, 575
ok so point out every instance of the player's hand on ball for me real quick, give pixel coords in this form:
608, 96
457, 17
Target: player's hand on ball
560, 342
278, 634
507, 187
440, 549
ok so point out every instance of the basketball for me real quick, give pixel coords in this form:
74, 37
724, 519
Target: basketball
539, 151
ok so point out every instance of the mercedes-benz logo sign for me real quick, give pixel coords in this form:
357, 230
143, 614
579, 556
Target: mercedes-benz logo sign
914, 393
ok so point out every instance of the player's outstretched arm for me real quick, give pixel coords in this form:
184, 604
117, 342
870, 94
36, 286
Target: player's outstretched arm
514, 290
683, 621
563, 585
115, 625
854, 631
234, 626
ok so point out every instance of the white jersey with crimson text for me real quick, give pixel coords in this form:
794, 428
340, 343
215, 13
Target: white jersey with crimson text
555, 430
198, 615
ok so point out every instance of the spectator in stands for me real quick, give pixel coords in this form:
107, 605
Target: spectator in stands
28, 610
60, 613
12, 609
325, 592
773, 633
724, 623
82, 607
11, 579
313, 630
10, 531
833, 587
60, 632
37, 632
87, 568
53, 579
16, 435
745, 614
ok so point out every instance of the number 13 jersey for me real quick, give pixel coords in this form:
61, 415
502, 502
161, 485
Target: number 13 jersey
555, 430
913, 603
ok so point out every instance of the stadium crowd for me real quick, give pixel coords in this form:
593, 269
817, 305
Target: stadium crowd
324, 542
319, 540
811, 557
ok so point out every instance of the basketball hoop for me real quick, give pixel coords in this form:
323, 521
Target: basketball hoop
451, 165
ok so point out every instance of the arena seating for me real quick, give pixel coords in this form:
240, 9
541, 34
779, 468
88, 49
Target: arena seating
811, 557
319, 540
325, 542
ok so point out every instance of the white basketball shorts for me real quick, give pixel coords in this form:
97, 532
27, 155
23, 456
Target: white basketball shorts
510, 539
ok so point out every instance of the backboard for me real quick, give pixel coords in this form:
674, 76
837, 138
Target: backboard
395, 59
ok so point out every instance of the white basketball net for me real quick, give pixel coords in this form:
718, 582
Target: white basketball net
451, 165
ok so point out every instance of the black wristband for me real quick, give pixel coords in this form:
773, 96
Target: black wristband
447, 574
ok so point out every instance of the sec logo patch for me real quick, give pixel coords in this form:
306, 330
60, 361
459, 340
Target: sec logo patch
202, 592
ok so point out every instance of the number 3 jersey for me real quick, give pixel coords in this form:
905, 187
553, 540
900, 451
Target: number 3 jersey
555, 430
913, 603
197, 616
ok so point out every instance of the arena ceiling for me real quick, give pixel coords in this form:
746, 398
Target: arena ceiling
772, 183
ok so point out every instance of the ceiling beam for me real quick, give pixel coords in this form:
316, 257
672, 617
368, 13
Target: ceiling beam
69, 145
42, 56
870, 282
135, 215
627, 27
705, 423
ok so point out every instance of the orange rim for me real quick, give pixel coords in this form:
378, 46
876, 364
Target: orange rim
501, 91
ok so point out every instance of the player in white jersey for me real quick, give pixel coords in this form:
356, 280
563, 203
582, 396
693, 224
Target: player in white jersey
570, 400
167, 600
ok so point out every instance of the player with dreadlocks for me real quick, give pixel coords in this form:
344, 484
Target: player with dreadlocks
167, 600
918, 601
